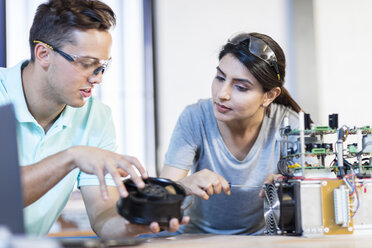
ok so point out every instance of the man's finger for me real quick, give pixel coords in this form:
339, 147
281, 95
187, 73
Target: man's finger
134, 161
102, 185
173, 225
111, 168
122, 172
125, 165
154, 227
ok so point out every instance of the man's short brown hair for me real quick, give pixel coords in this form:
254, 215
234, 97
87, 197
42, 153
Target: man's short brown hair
55, 20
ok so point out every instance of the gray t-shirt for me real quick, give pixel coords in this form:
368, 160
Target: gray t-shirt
197, 144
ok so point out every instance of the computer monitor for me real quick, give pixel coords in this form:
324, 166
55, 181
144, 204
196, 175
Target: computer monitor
11, 206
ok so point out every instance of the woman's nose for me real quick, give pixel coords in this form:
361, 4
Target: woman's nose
225, 92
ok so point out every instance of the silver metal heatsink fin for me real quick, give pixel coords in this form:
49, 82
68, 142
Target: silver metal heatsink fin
271, 209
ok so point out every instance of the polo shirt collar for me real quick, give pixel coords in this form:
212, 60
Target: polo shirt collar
67, 116
16, 94
17, 97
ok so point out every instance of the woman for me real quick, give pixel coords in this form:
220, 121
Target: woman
233, 138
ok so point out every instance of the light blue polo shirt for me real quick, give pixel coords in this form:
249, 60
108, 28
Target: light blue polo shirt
90, 125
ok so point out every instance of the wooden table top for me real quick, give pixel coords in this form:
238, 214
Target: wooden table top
235, 241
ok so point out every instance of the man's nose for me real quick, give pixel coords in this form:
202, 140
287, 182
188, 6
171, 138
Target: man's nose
95, 78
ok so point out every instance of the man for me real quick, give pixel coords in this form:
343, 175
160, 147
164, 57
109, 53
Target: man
65, 134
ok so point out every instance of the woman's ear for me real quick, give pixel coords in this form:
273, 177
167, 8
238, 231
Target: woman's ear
271, 95
42, 52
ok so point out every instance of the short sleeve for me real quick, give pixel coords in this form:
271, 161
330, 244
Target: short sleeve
107, 141
185, 140
4, 99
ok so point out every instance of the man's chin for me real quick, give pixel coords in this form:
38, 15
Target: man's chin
79, 104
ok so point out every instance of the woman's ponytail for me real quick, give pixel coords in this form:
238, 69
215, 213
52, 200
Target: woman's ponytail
286, 99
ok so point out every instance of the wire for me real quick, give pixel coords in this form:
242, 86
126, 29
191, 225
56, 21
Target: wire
357, 196
350, 181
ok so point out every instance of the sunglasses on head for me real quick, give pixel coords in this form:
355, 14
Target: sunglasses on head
258, 48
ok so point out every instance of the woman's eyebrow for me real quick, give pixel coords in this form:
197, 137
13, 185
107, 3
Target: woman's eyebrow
243, 80
219, 69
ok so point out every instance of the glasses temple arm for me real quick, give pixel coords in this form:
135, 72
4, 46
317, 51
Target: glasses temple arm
276, 68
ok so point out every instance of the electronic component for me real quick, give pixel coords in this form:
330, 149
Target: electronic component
342, 208
160, 200
334, 191
333, 121
367, 143
282, 208
307, 121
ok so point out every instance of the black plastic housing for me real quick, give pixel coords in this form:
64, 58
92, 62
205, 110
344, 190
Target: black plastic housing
160, 201
290, 208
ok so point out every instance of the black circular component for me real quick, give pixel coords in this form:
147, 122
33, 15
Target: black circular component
160, 200
153, 192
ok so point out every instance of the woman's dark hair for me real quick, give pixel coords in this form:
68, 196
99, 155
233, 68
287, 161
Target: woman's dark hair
55, 20
262, 71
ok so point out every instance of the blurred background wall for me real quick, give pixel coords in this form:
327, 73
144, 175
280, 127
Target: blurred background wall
327, 44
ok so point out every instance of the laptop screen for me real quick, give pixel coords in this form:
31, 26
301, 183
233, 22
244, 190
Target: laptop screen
11, 206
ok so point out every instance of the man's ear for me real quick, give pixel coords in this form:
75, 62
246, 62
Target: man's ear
271, 95
42, 55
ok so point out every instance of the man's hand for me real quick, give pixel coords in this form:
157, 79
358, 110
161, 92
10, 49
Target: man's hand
269, 179
39, 178
107, 223
99, 162
135, 229
173, 225
205, 183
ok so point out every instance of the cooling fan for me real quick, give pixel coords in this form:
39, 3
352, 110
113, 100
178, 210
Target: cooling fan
271, 209
160, 200
282, 208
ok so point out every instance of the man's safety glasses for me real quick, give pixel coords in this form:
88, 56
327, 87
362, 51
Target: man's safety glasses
258, 48
87, 65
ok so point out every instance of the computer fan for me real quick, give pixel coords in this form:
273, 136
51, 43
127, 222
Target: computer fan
271, 209
159, 201
282, 208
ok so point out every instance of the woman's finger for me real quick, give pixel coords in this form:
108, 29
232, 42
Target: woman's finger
217, 187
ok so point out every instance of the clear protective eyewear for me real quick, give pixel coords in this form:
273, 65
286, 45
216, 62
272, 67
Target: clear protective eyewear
87, 65
258, 48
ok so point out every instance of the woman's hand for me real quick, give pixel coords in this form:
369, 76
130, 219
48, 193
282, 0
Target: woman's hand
269, 179
205, 183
